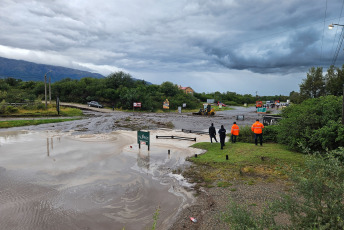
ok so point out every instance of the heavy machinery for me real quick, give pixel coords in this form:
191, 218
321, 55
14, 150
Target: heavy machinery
206, 110
259, 104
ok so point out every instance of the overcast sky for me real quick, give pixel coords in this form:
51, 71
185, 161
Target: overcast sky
243, 46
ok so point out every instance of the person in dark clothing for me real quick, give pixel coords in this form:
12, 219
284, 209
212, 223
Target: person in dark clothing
212, 133
222, 133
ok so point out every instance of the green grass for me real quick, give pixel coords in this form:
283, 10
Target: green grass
246, 162
17, 123
247, 153
51, 111
223, 108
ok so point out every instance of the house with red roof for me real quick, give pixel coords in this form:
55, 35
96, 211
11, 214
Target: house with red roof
187, 90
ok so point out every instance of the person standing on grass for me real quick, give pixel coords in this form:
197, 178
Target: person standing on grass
257, 128
222, 133
212, 133
235, 132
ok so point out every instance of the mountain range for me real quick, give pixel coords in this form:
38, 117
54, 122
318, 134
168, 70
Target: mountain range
29, 71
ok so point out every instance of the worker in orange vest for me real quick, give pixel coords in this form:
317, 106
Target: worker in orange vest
257, 128
235, 132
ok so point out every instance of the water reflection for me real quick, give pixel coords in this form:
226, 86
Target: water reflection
91, 178
143, 160
7, 137
50, 145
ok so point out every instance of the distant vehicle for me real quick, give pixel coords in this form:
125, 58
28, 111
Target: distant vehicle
206, 110
259, 104
223, 105
94, 104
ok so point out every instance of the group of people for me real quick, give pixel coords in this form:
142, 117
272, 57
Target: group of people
257, 129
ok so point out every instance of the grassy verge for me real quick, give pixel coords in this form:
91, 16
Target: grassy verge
246, 162
51, 111
17, 123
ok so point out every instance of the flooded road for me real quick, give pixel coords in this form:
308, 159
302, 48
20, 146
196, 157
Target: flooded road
90, 174
52, 180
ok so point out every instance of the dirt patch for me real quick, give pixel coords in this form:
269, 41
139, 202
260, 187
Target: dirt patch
213, 203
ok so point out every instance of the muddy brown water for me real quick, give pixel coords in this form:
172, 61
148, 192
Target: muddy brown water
50, 180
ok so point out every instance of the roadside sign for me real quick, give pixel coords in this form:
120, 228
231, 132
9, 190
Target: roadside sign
261, 110
137, 104
143, 137
184, 105
210, 101
179, 109
166, 104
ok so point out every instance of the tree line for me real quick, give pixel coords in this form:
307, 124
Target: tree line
318, 84
118, 90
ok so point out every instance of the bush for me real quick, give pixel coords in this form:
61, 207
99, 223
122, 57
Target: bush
231, 103
3, 107
313, 125
11, 109
317, 200
246, 135
269, 134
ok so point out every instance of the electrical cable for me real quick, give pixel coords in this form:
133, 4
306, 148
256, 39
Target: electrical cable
340, 42
337, 26
322, 39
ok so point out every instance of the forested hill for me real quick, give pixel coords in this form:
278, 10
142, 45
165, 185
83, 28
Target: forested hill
29, 71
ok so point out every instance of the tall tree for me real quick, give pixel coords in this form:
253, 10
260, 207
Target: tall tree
334, 81
314, 85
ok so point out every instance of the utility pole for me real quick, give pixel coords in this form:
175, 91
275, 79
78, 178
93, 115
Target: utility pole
49, 90
343, 107
45, 90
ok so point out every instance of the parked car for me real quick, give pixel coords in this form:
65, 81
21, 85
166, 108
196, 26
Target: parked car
94, 104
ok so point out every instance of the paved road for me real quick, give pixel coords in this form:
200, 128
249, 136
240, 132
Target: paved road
86, 107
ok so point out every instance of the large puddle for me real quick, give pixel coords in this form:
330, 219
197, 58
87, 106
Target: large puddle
50, 180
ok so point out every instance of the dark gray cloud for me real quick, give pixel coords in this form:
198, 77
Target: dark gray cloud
182, 40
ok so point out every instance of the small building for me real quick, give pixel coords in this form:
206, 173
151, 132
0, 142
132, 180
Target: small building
187, 90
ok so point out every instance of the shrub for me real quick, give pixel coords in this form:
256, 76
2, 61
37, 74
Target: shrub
269, 134
11, 109
246, 135
320, 185
3, 107
313, 125
317, 200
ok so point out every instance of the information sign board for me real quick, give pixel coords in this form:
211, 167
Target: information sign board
143, 137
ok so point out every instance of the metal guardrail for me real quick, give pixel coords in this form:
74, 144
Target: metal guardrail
176, 137
193, 131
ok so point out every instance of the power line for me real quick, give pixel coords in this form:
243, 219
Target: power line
340, 42
322, 39
334, 39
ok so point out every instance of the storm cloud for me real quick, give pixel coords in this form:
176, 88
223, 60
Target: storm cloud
208, 45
